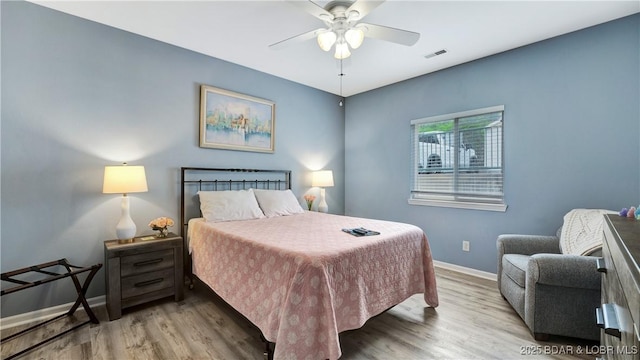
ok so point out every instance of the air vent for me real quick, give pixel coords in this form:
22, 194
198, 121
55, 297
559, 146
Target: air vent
439, 52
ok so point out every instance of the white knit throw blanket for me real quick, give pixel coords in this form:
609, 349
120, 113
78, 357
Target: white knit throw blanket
582, 231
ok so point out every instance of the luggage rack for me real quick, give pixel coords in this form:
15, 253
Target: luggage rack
81, 289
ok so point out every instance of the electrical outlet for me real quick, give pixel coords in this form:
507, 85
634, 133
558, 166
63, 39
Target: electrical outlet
465, 246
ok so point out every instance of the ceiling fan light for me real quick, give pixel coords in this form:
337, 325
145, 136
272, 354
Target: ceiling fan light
354, 37
342, 51
326, 40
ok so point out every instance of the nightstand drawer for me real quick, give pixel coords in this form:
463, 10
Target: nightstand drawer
147, 282
142, 263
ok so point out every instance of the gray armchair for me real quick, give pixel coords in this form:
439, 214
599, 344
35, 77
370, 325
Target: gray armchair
555, 294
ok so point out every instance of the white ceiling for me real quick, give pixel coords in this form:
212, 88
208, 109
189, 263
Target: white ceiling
241, 31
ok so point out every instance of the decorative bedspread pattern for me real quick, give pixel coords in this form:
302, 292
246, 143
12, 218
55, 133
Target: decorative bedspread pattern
302, 280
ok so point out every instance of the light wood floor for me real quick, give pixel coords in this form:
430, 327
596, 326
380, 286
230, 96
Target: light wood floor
472, 322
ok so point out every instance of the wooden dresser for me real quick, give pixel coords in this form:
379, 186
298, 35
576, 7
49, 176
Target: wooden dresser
619, 314
141, 271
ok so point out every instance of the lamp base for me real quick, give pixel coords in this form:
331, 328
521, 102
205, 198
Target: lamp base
323, 207
126, 228
126, 241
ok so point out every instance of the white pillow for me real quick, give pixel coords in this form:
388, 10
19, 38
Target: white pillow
278, 202
229, 205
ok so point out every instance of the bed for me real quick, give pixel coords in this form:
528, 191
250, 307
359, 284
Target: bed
296, 274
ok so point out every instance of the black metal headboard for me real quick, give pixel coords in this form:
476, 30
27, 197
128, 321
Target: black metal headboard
194, 179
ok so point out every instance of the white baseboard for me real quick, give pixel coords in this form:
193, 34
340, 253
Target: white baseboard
44, 314
466, 270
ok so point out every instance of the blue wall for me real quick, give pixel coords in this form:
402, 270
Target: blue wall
571, 138
77, 96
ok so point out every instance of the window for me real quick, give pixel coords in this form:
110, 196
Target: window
457, 160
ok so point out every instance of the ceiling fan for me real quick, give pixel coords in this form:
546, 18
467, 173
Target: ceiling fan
344, 29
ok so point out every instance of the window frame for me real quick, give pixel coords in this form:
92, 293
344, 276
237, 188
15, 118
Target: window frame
453, 201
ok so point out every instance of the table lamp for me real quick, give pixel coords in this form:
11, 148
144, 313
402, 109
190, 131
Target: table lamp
123, 180
322, 179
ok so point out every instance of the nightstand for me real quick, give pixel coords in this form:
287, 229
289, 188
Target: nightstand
145, 269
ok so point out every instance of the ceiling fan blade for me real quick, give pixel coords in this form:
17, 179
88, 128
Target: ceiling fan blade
363, 7
296, 39
313, 9
386, 33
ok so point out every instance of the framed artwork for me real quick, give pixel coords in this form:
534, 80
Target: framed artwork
233, 121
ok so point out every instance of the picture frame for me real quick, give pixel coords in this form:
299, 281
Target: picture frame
234, 121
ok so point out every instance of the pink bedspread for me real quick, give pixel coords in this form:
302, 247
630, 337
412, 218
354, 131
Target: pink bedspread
301, 280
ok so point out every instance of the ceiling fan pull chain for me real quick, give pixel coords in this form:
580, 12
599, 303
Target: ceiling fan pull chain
341, 102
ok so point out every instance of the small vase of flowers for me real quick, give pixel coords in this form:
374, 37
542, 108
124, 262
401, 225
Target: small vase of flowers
161, 224
309, 199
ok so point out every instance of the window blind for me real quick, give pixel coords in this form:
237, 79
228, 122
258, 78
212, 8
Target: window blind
458, 157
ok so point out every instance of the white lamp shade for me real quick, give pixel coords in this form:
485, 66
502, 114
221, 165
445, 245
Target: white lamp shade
322, 178
354, 37
326, 40
342, 51
124, 179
